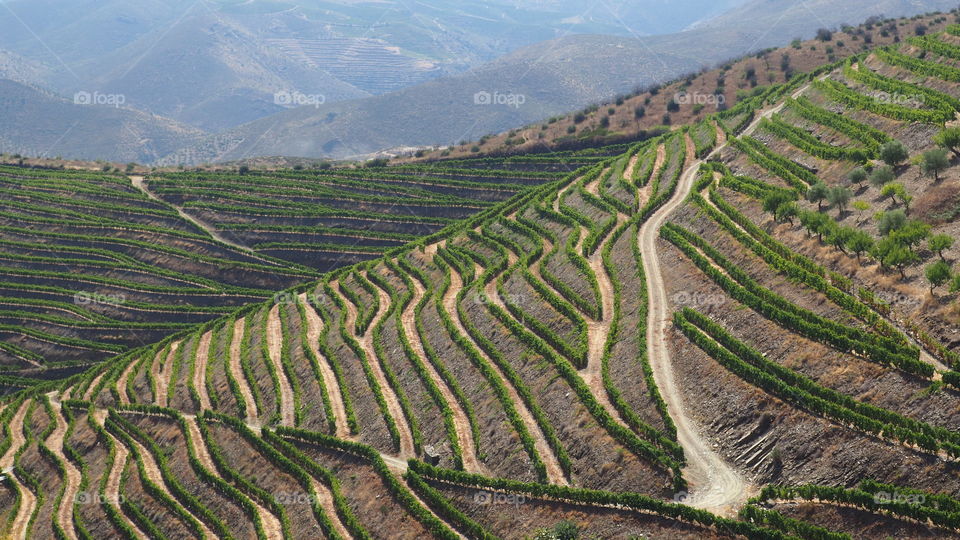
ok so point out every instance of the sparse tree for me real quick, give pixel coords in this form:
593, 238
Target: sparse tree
917, 161
901, 257
891, 221
937, 274
858, 176
860, 242
893, 153
949, 138
935, 161
839, 197
839, 236
860, 207
817, 193
912, 234
890, 191
882, 176
786, 212
773, 201
939, 243
817, 223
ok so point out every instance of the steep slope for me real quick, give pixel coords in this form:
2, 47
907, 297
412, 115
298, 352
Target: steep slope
542, 80
36, 122
751, 380
231, 58
95, 264
528, 85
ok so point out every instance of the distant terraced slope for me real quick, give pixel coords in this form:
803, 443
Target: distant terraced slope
96, 264
638, 350
330, 218
92, 267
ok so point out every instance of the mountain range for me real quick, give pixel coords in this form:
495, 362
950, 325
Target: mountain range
221, 81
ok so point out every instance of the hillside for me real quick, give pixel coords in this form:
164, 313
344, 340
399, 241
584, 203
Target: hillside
231, 58
553, 78
723, 331
95, 264
36, 122
694, 97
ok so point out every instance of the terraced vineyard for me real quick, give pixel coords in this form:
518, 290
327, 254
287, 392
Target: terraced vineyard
95, 265
677, 341
91, 267
331, 218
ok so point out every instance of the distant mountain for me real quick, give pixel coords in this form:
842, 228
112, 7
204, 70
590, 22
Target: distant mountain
220, 63
532, 83
18, 68
36, 122
374, 75
551, 78
771, 20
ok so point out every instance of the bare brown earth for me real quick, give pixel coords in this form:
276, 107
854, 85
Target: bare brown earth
314, 329
274, 344
461, 423
554, 471
236, 370
366, 343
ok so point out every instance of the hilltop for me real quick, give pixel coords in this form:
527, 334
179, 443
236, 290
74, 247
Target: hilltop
694, 97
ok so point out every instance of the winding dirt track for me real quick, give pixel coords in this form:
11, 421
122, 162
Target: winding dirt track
162, 376
460, 421
314, 329
598, 332
88, 395
271, 525
554, 472
236, 371
16, 436
716, 485
153, 474
325, 498
122, 382
111, 491
139, 183
274, 346
200, 370
366, 343
54, 443
28, 500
